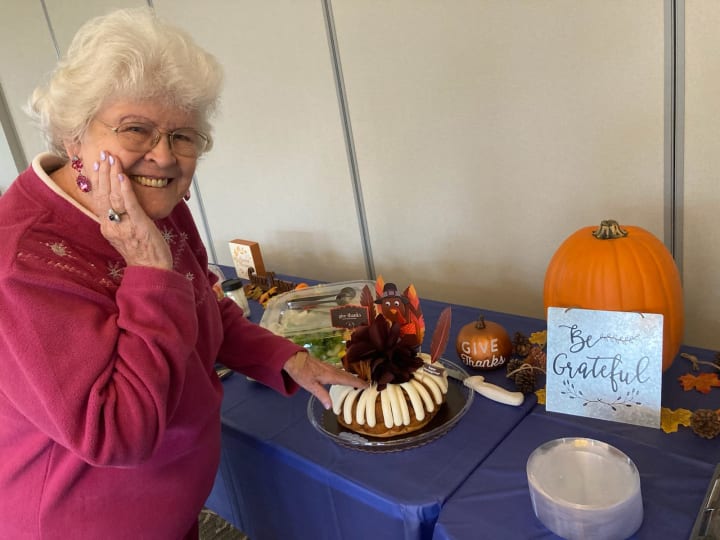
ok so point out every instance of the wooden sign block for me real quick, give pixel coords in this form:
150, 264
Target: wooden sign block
245, 255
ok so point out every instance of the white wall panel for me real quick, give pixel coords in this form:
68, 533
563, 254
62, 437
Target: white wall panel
486, 132
701, 242
278, 172
27, 53
489, 131
66, 17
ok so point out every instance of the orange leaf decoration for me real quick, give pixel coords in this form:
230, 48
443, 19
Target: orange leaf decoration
415, 314
379, 284
702, 383
411, 294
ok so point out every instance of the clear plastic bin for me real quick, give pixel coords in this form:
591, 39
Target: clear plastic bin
321, 318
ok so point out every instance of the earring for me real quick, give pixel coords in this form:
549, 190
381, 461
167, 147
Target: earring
187, 196
82, 181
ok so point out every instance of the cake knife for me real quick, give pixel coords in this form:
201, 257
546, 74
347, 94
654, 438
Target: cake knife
486, 389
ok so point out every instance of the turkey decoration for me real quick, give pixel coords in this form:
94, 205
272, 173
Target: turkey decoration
401, 308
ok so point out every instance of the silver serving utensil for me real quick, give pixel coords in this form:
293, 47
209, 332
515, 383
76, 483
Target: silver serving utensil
486, 389
223, 372
343, 297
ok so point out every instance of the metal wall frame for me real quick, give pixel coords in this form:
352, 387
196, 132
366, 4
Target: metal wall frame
674, 127
11, 134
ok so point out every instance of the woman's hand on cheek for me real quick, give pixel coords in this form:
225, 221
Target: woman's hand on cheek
123, 222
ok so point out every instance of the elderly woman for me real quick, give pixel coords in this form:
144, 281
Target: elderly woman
109, 327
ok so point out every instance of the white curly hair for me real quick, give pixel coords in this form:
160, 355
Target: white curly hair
128, 54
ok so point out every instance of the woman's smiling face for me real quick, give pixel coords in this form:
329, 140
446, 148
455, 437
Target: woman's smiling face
160, 177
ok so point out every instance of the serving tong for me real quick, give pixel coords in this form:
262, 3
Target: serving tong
343, 297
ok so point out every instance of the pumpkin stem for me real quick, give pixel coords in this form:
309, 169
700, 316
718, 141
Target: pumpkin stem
480, 324
609, 230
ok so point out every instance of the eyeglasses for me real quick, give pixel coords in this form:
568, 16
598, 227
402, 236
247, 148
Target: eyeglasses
141, 137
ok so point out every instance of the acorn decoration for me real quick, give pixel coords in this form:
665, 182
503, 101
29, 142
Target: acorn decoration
483, 344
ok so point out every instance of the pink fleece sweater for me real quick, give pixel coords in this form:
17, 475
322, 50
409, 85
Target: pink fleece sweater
109, 403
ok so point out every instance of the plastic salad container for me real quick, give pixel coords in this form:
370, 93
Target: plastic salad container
320, 318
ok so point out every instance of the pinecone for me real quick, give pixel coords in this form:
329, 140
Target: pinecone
525, 380
536, 357
520, 345
706, 423
512, 365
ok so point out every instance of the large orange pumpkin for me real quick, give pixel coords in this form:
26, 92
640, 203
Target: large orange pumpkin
616, 268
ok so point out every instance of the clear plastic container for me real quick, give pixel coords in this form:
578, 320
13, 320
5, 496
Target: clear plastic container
233, 288
320, 318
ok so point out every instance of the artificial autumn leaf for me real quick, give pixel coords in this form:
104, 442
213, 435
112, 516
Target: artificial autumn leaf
671, 419
411, 294
538, 338
367, 300
540, 393
702, 383
414, 313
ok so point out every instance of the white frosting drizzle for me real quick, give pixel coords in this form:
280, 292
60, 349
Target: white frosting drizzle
337, 395
424, 394
347, 407
361, 409
431, 385
425, 357
442, 383
400, 411
415, 400
387, 408
403, 406
425, 390
370, 394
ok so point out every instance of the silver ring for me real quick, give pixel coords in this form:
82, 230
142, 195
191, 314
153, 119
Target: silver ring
114, 216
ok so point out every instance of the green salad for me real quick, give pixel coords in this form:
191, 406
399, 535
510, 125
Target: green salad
326, 345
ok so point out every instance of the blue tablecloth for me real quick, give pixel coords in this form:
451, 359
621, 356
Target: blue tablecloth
281, 478
494, 501
675, 470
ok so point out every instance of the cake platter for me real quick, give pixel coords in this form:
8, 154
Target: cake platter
458, 401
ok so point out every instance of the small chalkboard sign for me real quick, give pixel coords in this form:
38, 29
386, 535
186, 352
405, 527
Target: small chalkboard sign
605, 364
350, 316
